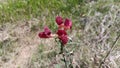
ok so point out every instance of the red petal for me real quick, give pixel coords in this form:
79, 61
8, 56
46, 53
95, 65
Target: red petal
59, 20
43, 35
47, 30
68, 23
61, 32
64, 39
46, 33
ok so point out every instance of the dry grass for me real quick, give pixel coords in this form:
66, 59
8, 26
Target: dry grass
90, 44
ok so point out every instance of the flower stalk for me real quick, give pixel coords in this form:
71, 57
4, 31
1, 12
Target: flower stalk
61, 34
63, 54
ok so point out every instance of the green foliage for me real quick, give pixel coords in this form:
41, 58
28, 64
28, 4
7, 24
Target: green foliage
26, 9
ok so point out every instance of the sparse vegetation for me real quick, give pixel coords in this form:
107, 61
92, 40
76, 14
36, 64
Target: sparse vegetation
96, 25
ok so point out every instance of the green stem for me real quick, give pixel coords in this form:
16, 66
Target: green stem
63, 54
61, 49
65, 61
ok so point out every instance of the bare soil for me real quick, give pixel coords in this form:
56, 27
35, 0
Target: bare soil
26, 43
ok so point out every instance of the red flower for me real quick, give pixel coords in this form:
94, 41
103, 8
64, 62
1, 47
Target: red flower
62, 35
46, 33
59, 20
64, 39
61, 32
67, 24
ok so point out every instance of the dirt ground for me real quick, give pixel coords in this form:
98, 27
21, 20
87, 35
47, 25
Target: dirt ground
26, 43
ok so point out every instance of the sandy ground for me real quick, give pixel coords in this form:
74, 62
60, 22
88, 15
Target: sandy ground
26, 45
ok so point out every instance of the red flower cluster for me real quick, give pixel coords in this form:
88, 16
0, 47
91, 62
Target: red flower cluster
63, 25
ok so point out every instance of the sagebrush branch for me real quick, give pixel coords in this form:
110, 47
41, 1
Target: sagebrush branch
112, 47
